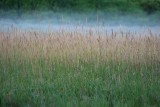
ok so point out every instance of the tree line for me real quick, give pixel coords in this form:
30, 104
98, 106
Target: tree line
148, 6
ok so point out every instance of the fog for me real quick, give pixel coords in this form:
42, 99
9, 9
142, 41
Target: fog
70, 22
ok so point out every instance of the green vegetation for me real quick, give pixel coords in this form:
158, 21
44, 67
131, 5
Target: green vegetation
149, 6
134, 11
76, 69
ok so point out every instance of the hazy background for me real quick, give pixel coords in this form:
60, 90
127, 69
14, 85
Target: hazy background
79, 12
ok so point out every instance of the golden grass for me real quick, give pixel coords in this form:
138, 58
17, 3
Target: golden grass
74, 45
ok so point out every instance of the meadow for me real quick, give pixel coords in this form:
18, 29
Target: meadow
74, 68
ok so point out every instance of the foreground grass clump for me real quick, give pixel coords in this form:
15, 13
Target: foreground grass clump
72, 68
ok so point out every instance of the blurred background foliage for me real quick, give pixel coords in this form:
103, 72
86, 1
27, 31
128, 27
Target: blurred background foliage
122, 6
114, 11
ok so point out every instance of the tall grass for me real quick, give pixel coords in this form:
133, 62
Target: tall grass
74, 68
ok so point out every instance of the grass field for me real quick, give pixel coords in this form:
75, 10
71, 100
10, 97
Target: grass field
79, 69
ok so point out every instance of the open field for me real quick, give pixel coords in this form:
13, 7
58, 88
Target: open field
72, 68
